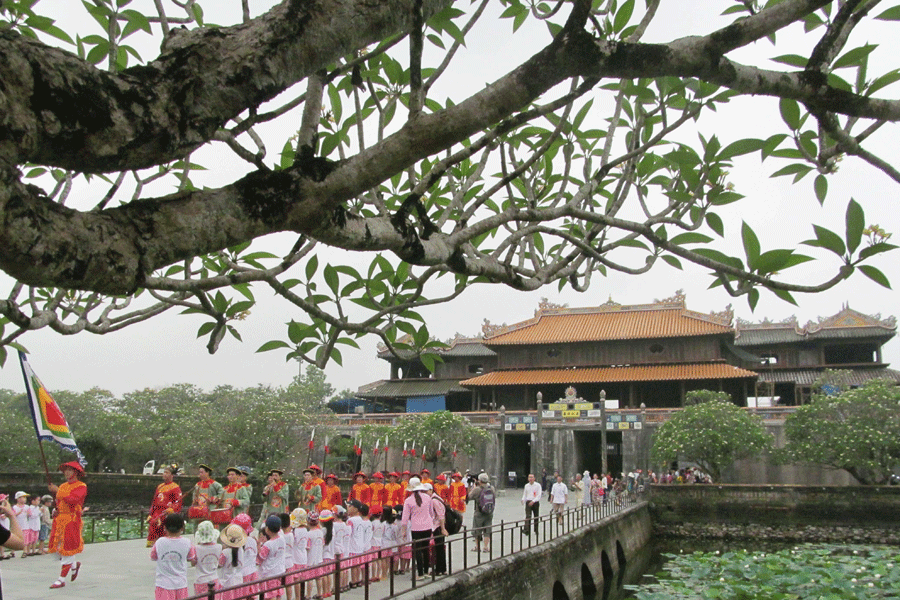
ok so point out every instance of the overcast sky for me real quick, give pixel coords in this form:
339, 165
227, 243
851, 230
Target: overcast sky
165, 350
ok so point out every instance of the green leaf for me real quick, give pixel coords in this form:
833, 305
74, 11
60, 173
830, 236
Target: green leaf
793, 60
827, 239
623, 15
790, 113
753, 298
891, 14
740, 147
786, 296
772, 261
273, 345
821, 188
691, 237
672, 261
751, 244
883, 81
311, 267
875, 275
854, 57
206, 328
875, 249
331, 279
856, 223
715, 223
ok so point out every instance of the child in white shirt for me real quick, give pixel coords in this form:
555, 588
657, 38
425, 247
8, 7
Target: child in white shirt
208, 553
172, 554
301, 549
231, 560
271, 556
378, 527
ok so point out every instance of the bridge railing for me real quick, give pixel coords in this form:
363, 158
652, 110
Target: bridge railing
507, 538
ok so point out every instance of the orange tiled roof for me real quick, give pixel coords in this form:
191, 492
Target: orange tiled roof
610, 374
610, 322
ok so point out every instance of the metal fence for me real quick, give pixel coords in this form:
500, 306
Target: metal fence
507, 538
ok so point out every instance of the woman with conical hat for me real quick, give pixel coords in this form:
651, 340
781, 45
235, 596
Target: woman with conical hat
65, 536
167, 499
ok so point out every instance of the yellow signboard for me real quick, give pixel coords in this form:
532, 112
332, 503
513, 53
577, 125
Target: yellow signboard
623, 425
520, 426
568, 414
583, 406
557, 406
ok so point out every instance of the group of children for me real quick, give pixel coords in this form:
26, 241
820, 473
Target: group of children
33, 516
300, 546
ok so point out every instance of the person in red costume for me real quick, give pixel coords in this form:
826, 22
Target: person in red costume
393, 491
332, 496
361, 490
166, 500
441, 489
425, 477
65, 536
457, 493
377, 487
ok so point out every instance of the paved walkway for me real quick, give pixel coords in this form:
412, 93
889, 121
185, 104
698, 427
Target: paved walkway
124, 571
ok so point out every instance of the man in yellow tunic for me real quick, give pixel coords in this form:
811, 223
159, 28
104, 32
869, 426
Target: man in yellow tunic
457, 493
65, 536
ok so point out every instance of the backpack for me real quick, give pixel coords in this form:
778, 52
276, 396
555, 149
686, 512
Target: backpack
486, 501
453, 519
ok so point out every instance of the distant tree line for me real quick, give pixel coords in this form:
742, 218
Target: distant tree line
260, 427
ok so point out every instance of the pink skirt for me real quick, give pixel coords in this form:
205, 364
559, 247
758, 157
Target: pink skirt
406, 550
164, 594
250, 589
30, 536
275, 586
294, 574
202, 588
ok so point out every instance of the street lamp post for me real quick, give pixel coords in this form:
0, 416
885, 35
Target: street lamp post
539, 440
502, 481
603, 462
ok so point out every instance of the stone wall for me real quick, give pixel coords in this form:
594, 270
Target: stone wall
794, 513
570, 566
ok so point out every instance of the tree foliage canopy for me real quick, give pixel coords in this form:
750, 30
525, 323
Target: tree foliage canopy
857, 430
331, 122
711, 431
259, 427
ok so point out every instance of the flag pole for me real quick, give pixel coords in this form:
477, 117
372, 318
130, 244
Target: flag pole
44, 459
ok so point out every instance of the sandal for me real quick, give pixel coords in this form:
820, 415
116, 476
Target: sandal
75, 570
57, 584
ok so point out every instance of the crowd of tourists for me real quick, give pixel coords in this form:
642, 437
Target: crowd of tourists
388, 522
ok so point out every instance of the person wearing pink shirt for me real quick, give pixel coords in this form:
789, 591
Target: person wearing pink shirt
418, 520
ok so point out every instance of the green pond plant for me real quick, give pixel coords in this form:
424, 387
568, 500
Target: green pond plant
820, 571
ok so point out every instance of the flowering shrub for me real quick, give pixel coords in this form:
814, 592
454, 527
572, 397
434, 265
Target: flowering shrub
857, 430
712, 432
